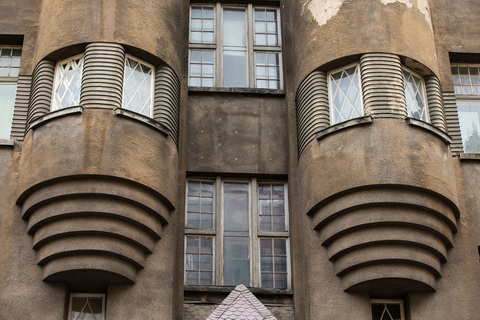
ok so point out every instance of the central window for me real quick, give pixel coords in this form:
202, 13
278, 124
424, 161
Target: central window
237, 233
235, 46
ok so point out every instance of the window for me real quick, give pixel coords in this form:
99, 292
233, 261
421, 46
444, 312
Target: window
387, 310
138, 85
86, 306
9, 69
466, 80
68, 83
345, 94
415, 95
235, 46
237, 233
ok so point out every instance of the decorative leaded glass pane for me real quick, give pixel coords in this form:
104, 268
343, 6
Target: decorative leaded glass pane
271, 206
137, 87
469, 118
202, 68
68, 83
267, 70
200, 205
202, 25
266, 27
199, 260
273, 263
415, 96
466, 79
387, 311
345, 95
86, 308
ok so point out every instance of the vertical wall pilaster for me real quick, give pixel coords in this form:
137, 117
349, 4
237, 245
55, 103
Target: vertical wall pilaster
435, 102
166, 105
382, 83
41, 94
102, 80
312, 108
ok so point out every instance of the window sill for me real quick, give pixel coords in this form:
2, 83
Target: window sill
237, 90
228, 289
469, 156
53, 115
427, 126
344, 125
140, 117
7, 142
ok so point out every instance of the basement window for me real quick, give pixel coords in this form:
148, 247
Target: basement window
86, 306
387, 310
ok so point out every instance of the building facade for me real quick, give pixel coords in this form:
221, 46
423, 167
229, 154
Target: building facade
323, 153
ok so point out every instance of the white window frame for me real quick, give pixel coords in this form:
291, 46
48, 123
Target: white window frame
10, 80
57, 78
255, 234
251, 47
465, 97
390, 301
86, 295
152, 81
330, 93
424, 91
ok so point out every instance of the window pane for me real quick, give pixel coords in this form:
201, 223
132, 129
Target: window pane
236, 269
68, 81
345, 97
236, 207
202, 68
273, 263
234, 28
415, 96
137, 87
86, 308
7, 102
235, 69
469, 118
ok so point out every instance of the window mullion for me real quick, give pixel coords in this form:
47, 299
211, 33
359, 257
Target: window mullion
254, 231
250, 44
218, 278
219, 43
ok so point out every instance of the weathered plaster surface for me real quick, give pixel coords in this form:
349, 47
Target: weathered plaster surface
324, 10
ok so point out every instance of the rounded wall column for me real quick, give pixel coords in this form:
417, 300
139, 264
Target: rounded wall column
102, 79
382, 84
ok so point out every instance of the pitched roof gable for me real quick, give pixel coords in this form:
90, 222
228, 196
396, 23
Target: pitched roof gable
241, 304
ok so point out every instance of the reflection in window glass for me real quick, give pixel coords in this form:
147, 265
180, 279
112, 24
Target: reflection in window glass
68, 83
199, 260
469, 117
415, 96
345, 94
137, 87
91, 307
236, 268
234, 48
273, 263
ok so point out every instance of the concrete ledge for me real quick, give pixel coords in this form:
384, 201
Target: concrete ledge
344, 125
53, 115
427, 126
140, 117
469, 156
7, 142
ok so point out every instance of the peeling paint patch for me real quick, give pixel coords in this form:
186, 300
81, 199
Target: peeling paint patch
421, 4
324, 10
